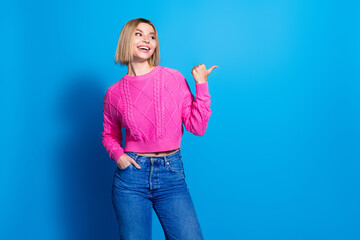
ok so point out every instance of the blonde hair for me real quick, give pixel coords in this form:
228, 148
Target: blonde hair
124, 48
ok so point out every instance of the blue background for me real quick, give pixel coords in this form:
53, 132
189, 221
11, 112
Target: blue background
281, 155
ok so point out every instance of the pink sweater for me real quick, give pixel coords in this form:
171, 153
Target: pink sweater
152, 107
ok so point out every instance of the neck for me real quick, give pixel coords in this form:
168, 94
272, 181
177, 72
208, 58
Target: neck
135, 69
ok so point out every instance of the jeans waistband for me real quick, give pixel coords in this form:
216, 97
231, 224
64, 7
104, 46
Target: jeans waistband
138, 157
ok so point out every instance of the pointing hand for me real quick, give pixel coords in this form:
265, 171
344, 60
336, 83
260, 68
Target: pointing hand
200, 73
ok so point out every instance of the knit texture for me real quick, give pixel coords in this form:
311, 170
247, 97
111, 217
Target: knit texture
152, 108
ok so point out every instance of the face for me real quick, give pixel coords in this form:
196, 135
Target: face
144, 36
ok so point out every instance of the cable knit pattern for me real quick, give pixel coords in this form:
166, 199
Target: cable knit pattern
152, 108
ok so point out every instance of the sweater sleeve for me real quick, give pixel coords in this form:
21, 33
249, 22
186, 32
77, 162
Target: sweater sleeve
196, 111
111, 134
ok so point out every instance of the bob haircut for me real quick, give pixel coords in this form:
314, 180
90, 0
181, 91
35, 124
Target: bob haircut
124, 48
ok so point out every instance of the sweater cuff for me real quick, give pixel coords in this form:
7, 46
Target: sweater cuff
202, 88
118, 155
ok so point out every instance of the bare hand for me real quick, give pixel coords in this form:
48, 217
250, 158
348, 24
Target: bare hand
125, 160
200, 73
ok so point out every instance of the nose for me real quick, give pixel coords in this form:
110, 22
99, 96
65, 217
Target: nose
146, 39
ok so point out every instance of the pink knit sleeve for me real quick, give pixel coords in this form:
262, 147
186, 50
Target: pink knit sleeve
111, 134
195, 111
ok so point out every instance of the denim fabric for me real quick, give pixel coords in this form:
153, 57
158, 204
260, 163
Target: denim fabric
160, 185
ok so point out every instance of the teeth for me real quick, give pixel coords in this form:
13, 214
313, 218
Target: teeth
144, 48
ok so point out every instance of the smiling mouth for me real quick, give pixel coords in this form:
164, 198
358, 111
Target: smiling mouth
144, 49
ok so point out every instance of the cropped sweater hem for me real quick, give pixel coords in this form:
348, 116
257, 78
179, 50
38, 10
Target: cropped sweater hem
160, 146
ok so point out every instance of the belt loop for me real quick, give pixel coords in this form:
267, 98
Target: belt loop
165, 161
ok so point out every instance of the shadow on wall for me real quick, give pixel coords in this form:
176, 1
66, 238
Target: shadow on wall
83, 169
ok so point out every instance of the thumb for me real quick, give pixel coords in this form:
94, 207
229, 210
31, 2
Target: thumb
212, 68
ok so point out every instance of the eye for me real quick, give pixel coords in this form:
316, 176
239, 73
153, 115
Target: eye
153, 37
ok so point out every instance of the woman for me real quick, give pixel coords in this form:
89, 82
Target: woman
152, 102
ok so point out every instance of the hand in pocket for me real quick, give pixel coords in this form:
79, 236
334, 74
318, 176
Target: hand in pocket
125, 160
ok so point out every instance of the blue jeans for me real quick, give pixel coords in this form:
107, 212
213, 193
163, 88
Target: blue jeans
160, 185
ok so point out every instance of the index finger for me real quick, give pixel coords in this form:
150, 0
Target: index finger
135, 163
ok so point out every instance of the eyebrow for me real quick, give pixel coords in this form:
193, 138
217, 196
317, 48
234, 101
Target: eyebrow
142, 31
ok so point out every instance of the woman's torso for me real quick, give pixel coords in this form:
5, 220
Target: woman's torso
149, 108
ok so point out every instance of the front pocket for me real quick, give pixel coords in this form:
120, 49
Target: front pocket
176, 165
125, 167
